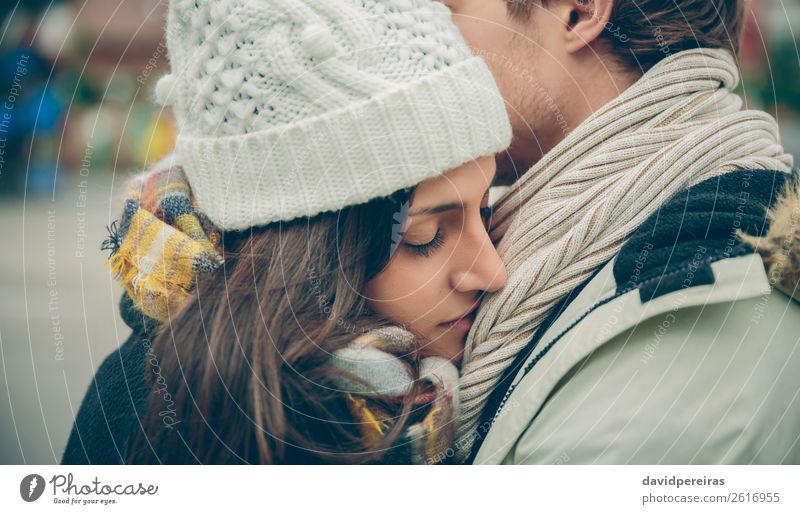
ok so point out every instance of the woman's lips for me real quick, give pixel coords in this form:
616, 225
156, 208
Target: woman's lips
462, 323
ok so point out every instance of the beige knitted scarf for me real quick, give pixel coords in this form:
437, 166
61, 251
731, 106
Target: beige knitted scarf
678, 125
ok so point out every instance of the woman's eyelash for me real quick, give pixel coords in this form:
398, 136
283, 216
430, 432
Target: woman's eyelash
427, 249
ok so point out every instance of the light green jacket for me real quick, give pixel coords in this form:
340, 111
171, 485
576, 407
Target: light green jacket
704, 375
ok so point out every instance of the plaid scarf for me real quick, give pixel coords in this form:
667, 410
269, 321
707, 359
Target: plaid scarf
162, 242
383, 377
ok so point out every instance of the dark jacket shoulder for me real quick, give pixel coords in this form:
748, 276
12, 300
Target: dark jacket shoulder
114, 401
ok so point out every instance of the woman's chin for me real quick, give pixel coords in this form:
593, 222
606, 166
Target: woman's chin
447, 345
456, 359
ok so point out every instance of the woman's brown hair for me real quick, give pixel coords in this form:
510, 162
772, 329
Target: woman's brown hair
642, 32
245, 362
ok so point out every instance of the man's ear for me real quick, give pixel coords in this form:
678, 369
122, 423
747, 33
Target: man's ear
585, 21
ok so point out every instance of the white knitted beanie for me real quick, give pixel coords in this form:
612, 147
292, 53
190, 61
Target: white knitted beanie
290, 108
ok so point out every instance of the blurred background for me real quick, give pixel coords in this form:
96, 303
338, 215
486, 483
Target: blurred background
76, 118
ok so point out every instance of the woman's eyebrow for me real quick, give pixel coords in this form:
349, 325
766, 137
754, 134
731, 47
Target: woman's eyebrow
436, 210
428, 211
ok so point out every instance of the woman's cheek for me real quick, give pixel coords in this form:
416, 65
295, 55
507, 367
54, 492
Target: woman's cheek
410, 286
390, 294
423, 298
404, 292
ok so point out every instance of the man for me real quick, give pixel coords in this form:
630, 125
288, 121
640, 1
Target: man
651, 241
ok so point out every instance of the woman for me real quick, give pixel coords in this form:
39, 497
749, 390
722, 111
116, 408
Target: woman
302, 283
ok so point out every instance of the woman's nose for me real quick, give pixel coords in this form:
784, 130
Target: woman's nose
483, 269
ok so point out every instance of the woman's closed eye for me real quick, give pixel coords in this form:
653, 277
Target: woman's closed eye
426, 249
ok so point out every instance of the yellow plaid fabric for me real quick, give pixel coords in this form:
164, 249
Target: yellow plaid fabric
162, 243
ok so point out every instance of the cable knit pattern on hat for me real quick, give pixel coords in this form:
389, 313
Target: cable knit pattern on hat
290, 108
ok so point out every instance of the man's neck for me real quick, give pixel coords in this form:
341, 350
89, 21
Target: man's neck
524, 153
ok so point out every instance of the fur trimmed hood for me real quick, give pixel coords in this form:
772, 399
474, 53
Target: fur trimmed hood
780, 246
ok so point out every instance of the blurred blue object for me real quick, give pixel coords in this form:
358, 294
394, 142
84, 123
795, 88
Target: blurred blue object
30, 118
